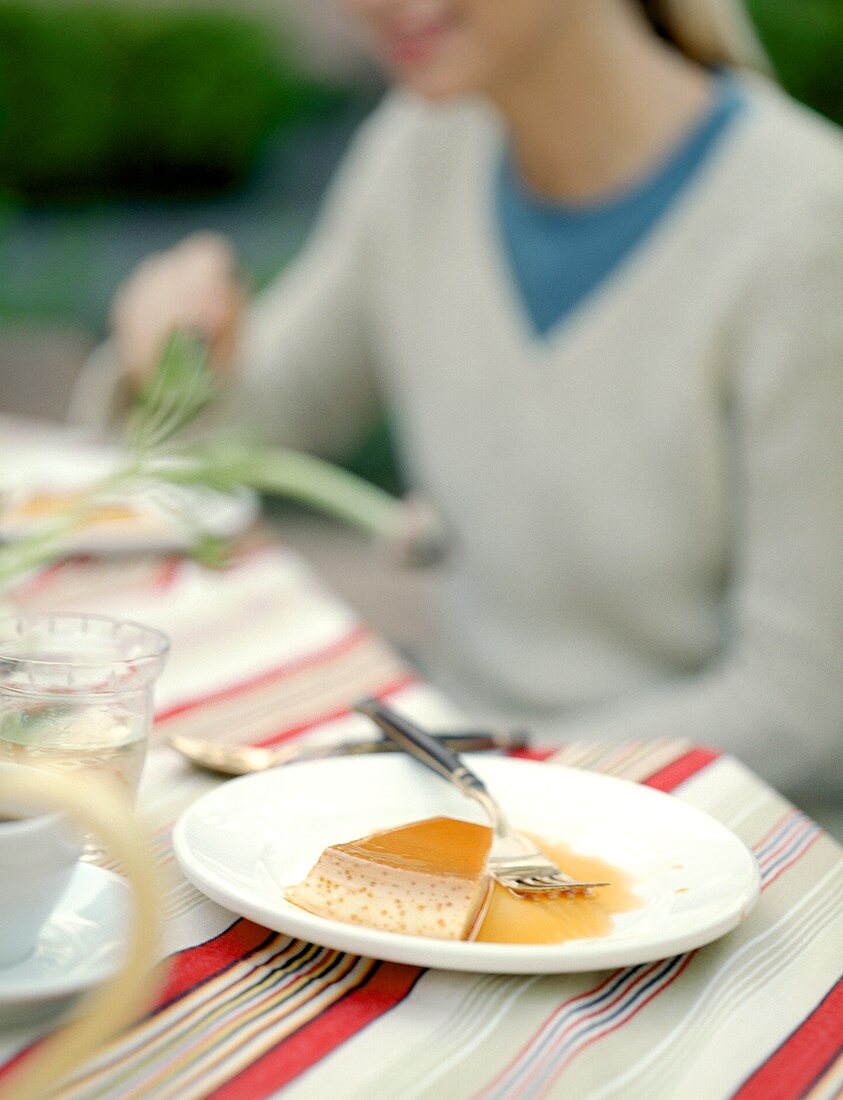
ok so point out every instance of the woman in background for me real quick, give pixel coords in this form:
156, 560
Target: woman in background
598, 282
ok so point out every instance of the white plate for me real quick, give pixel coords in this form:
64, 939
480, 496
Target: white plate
168, 518
81, 944
243, 842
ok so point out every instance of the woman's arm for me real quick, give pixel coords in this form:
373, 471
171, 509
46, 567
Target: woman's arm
296, 366
776, 699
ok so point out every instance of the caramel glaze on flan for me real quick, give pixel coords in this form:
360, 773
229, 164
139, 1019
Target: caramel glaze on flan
424, 879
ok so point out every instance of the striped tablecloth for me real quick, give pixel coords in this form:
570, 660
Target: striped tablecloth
262, 653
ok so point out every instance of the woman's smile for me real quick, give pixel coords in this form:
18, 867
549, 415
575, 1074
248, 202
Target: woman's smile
415, 34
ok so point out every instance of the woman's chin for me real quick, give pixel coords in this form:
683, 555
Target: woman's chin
435, 84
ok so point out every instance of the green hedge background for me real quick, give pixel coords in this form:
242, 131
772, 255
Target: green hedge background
98, 100
103, 99
804, 39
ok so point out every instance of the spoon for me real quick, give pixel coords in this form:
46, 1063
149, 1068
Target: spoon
244, 759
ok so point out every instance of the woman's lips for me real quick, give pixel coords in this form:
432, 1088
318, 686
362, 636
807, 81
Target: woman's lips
410, 45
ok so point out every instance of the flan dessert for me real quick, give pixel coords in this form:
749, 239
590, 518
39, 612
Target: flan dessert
428, 878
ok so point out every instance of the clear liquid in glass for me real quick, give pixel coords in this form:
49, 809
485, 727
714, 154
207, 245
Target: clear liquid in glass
91, 740
76, 695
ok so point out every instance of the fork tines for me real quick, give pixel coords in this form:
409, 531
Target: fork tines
553, 885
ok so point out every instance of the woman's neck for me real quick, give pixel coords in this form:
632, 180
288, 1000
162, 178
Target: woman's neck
604, 103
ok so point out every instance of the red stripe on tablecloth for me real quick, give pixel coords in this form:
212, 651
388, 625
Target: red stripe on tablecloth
604, 1008
190, 968
638, 1006
791, 815
167, 574
800, 852
669, 777
43, 578
289, 732
279, 672
15, 1061
565, 1006
832, 1075
387, 985
802, 1057
533, 754
195, 965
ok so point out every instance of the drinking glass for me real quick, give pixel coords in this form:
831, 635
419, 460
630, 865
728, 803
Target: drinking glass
76, 693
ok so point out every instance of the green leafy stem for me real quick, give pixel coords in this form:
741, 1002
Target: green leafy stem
180, 389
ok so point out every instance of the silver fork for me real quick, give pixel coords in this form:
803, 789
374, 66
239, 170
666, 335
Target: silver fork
515, 861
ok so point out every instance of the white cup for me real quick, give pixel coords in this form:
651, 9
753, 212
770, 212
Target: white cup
38, 853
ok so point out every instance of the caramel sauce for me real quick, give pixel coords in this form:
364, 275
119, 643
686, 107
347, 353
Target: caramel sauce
521, 920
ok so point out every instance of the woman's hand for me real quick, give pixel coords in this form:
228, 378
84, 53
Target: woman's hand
194, 285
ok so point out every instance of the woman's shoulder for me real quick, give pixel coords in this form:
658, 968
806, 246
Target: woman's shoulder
776, 197
794, 153
786, 241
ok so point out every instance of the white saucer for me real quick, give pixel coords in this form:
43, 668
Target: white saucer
166, 520
81, 945
242, 843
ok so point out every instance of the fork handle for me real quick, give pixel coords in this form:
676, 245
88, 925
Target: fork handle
420, 744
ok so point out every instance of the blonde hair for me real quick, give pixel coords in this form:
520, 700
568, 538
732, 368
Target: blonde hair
711, 31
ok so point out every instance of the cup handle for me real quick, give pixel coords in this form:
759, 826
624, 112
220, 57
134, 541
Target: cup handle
93, 804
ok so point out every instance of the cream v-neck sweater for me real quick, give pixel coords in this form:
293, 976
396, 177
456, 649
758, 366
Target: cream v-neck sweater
646, 505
